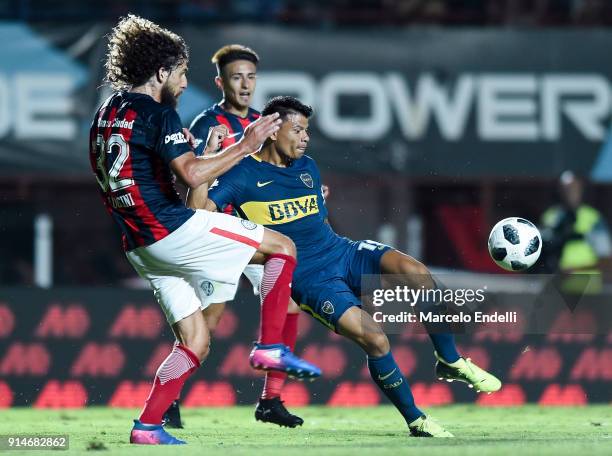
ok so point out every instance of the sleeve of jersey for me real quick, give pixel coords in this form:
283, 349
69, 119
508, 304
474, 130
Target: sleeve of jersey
199, 128
318, 184
227, 189
171, 142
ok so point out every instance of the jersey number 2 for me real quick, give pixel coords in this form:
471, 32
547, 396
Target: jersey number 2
110, 178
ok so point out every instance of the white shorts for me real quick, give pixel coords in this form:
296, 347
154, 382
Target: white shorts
254, 272
199, 263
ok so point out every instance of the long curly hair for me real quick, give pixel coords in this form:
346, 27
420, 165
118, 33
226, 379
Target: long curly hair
137, 49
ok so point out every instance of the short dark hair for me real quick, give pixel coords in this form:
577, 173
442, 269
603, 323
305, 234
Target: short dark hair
232, 52
138, 48
286, 105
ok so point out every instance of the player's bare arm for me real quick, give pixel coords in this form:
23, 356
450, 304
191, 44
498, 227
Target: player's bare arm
197, 197
194, 171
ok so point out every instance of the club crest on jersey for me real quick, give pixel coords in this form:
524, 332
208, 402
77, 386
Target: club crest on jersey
307, 180
207, 287
248, 224
327, 308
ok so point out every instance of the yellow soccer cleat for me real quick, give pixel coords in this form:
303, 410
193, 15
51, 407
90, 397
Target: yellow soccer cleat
464, 370
426, 427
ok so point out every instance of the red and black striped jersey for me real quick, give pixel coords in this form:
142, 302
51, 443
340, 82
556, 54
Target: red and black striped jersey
216, 115
133, 139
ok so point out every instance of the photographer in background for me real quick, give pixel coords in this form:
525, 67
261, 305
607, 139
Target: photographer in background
576, 239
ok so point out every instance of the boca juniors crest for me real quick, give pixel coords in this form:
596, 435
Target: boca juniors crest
307, 180
328, 308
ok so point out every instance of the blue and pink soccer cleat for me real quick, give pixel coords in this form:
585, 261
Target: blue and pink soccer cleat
152, 434
280, 358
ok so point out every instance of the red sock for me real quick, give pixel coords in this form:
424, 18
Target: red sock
169, 381
275, 293
274, 379
178, 396
290, 330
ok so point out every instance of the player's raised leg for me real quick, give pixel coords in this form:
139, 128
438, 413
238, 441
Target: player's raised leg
449, 365
193, 341
270, 407
359, 326
270, 353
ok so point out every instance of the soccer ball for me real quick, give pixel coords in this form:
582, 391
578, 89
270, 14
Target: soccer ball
515, 244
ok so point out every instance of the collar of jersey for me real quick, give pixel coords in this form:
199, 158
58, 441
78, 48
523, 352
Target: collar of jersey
257, 158
220, 110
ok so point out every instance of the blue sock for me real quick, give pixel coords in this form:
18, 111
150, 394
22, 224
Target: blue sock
445, 346
387, 375
440, 333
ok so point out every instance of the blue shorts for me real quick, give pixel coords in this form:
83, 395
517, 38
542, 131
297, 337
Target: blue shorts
326, 294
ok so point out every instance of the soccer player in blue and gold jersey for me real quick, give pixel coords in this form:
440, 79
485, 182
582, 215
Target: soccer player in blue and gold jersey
279, 187
226, 121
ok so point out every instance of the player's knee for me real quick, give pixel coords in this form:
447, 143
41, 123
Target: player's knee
376, 344
199, 346
414, 269
286, 246
201, 350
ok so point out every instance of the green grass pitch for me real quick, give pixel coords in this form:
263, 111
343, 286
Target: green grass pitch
376, 431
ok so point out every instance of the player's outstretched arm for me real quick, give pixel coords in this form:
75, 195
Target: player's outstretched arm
194, 171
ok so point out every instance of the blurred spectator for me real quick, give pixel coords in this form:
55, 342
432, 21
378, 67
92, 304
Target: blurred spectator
592, 12
576, 238
522, 13
19, 272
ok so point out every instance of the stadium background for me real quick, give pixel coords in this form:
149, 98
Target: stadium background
434, 119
